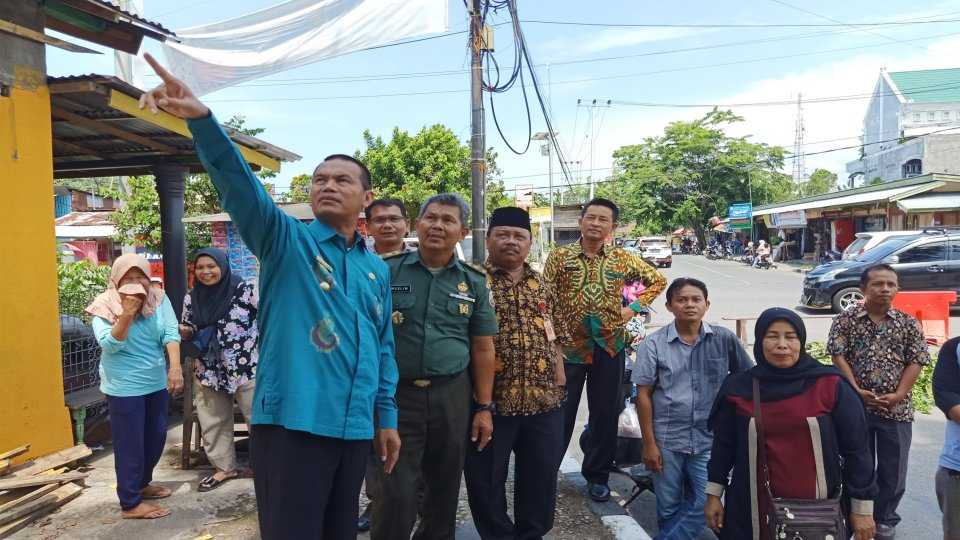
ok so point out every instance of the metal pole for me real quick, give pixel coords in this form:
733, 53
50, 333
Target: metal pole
477, 142
550, 174
750, 187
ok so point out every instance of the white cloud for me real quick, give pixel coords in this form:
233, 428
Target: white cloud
612, 38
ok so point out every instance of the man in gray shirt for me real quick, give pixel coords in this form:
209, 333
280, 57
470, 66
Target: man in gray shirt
679, 370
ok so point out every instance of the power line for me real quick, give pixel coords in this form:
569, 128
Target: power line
734, 25
860, 27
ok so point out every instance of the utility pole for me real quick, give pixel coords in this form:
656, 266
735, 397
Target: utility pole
799, 165
478, 161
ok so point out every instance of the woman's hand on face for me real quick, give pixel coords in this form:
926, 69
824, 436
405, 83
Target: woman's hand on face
186, 331
863, 526
131, 304
713, 511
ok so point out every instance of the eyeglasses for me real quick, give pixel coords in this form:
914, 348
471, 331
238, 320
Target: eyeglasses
393, 220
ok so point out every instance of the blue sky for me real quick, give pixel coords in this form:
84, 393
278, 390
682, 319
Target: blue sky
315, 117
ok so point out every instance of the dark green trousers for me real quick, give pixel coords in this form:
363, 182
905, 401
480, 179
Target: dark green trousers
434, 432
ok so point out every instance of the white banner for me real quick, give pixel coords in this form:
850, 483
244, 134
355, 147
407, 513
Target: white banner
293, 34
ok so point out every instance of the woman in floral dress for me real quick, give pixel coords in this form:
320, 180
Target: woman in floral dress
219, 331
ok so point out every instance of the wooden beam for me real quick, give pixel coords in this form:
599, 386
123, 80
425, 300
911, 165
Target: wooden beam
52, 461
33, 494
101, 127
82, 150
40, 37
40, 480
126, 104
15, 452
76, 87
51, 502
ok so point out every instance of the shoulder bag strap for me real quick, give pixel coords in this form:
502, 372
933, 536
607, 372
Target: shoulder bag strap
761, 440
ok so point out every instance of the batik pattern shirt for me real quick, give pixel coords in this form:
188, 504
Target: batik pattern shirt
237, 337
588, 297
525, 382
878, 353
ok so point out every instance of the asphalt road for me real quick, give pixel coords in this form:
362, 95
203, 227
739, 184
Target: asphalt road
738, 291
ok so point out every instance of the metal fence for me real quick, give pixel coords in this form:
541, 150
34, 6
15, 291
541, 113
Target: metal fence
81, 363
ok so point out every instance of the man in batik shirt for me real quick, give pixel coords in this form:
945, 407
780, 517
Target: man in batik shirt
587, 278
881, 351
527, 393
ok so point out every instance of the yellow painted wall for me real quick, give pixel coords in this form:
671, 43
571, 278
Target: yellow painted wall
31, 380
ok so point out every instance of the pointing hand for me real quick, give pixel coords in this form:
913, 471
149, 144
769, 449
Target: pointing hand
173, 96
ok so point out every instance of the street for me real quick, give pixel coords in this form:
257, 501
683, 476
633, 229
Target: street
737, 290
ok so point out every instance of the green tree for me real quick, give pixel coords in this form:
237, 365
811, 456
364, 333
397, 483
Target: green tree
693, 171
138, 221
414, 167
820, 182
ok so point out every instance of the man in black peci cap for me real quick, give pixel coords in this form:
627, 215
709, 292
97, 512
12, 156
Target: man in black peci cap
527, 392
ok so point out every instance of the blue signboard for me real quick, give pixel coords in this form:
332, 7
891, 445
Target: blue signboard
740, 211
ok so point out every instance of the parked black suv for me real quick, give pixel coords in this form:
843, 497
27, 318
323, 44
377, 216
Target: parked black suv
927, 261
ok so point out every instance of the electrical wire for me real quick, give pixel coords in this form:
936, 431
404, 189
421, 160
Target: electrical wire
734, 25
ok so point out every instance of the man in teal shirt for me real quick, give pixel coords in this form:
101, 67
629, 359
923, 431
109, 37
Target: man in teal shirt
326, 348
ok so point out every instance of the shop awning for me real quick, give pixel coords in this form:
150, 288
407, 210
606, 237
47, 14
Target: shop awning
848, 200
89, 231
934, 202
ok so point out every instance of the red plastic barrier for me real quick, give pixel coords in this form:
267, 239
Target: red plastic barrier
931, 308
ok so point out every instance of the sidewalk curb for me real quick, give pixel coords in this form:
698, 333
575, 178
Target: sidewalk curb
625, 527
622, 525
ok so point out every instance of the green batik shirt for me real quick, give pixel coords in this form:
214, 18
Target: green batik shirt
435, 316
588, 297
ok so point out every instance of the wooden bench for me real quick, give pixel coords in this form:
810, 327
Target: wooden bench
741, 324
78, 402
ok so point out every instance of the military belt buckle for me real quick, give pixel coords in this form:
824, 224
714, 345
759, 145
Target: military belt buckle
422, 383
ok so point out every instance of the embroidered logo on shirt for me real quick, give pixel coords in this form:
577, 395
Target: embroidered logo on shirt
322, 271
324, 335
397, 317
462, 287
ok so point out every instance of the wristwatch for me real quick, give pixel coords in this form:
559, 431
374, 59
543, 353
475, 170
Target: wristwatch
479, 407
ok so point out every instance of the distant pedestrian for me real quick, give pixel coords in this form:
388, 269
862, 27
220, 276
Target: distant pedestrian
815, 432
527, 392
219, 330
679, 370
946, 393
135, 324
444, 325
326, 349
587, 278
881, 350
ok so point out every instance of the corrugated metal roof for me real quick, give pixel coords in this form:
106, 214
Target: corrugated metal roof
151, 24
845, 200
85, 219
928, 85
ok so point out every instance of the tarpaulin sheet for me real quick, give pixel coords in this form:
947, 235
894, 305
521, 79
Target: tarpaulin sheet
294, 34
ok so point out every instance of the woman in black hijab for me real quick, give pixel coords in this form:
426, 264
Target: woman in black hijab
219, 331
815, 429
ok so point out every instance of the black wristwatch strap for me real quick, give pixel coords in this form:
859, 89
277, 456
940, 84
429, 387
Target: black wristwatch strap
492, 407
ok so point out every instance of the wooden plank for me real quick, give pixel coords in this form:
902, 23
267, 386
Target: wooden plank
15, 452
52, 461
40, 480
40, 37
77, 87
126, 104
4, 466
56, 498
102, 127
81, 150
34, 494
52, 501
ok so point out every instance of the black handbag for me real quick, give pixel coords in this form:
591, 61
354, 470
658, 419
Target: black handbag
794, 519
199, 345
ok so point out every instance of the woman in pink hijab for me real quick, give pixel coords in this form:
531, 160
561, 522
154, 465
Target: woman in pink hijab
135, 324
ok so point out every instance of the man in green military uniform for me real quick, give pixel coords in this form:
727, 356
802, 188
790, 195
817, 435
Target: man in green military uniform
443, 323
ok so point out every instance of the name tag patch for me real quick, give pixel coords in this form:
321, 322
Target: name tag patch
401, 288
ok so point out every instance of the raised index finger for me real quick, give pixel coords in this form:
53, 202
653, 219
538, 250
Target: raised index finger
160, 70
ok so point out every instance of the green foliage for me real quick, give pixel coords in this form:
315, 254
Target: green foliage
414, 167
693, 172
820, 182
299, 189
138, 222
922, 390
104, 187
876, 180
77, 285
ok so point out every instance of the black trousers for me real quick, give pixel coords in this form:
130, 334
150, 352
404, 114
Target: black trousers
536, 441
603, 379
434, 424
890, 448
307, 485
